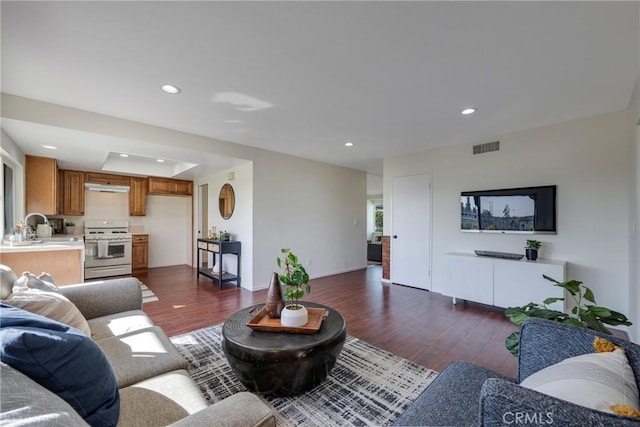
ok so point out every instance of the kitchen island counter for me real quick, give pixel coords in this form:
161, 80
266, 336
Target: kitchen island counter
63, 260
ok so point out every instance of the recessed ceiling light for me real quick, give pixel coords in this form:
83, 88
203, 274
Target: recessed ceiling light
171, 89
50, 147
160, 161
234, 121
348, 144
124, 155
470, 110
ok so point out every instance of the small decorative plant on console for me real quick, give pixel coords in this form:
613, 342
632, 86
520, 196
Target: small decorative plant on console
296, 280
584, 315
532, 248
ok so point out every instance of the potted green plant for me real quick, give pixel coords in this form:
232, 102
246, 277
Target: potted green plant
590, 316
296, 281
532, 248
69, 227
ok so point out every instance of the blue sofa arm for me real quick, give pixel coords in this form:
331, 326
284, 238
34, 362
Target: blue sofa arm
506, 403
544, 343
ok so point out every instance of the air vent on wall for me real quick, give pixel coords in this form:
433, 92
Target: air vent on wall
486, 148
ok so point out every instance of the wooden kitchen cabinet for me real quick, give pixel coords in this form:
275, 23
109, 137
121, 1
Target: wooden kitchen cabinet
170, 187
60, 195
72, 193
41, 185
137, 196
140, 252
106, 178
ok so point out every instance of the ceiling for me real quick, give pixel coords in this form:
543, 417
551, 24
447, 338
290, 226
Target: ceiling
304, 78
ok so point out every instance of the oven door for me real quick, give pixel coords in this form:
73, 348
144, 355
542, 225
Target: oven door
103, 253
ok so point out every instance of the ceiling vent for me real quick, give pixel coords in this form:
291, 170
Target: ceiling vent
486, 148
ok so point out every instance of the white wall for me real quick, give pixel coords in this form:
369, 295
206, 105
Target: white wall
311, 208
240, 225
14, 157
168, 223
10, 148
634, 247
284, 201
587, 159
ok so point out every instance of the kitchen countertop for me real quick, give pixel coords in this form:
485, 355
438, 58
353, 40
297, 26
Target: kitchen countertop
53, 245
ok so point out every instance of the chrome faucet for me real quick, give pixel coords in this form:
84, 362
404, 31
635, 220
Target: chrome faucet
46, 221
27, 227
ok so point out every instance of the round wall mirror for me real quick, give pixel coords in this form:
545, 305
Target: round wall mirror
227, 201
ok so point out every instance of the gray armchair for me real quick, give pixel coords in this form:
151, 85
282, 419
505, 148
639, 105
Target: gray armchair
465, 395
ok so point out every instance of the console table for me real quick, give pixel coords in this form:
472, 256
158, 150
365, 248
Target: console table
221, 248
501, 282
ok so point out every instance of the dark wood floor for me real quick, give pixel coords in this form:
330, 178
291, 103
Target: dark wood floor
421, 326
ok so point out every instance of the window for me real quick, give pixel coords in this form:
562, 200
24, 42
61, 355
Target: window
8, 197
374, 220
379, 216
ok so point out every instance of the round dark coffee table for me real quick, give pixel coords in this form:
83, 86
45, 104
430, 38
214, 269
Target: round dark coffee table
282, 363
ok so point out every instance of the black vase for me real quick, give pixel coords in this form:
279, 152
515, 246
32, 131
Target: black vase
275, 302
532, 254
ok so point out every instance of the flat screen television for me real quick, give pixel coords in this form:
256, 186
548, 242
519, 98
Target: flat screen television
513, 210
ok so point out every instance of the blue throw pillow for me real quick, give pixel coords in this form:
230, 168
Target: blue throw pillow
63, 360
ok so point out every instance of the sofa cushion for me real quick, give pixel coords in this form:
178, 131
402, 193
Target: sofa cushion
63, 360
160, 400
240, 409
7, 277
27, 403
452, 399
43, 282
142, 354
39, 296
118, 324
597, 381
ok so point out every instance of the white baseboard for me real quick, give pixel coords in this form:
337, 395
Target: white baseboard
346, 270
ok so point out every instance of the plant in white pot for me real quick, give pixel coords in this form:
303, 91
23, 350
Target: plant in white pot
296, 280
69, 227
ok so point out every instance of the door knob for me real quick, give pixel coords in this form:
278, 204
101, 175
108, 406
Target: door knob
395, 236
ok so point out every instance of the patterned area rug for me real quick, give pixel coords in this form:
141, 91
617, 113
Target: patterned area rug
147, 294
367, 387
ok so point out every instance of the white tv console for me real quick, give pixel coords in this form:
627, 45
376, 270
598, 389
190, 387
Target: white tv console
501, 282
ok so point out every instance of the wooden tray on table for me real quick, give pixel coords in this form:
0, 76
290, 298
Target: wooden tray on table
262, 322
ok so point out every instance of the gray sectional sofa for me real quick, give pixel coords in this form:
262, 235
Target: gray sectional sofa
464, 394
154, 386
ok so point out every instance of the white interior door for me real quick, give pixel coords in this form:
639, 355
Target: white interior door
411, 231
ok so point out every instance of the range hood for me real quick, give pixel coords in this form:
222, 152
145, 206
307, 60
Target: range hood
107, 188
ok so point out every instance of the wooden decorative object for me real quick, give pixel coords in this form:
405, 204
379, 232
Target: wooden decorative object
262, 322
275, 301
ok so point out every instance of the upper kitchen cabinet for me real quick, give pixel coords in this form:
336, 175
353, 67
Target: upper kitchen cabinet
170, 187
137, 196
41, 185
73, 193
106, 178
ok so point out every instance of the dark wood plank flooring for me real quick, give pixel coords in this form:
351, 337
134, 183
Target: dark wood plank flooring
424, 327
